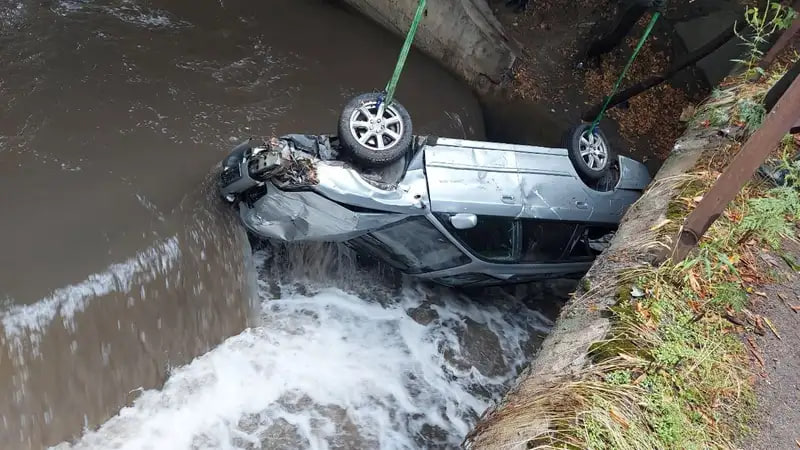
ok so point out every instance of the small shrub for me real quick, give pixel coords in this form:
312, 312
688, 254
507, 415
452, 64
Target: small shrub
762, 23
751, 114
729, 295
772, 217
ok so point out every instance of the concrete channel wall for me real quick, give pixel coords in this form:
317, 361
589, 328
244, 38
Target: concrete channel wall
583, 321
463, 35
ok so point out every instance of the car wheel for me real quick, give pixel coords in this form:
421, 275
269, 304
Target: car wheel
373, 133
589, 151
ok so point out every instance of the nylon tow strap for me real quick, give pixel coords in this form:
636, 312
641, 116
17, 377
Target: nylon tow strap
390, 88
625, 70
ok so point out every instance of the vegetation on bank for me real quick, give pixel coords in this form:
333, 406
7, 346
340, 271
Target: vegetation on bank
674, 371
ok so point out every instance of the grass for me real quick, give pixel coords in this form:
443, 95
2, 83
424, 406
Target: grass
739, 104
673, 371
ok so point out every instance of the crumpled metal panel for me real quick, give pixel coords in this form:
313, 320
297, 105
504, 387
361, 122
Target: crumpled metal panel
345, 185
307, 216
317, 213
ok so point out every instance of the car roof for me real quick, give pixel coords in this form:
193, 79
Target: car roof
510, 180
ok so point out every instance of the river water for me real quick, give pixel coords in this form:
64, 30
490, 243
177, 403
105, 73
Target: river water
125, 283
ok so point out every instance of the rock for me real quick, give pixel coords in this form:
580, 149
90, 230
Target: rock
431, 437
533, 343
282, 435
423, 315
481, 348
348, 435
279, 435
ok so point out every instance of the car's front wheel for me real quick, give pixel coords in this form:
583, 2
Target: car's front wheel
589, 151
373, 133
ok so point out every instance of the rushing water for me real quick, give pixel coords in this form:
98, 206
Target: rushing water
371, 366
130, 313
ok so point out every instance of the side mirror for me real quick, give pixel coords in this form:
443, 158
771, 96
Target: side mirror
464, 221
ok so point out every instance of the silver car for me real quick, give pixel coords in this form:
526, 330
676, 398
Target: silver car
456, 212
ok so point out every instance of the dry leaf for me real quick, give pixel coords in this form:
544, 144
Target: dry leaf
629, 358
772, 327
708, 420
640, 309
660, 225
619, 419
693, 282
754, 352
687, 113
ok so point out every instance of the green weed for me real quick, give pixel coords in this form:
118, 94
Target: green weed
762, 24
772, 217
729, 295
751, 114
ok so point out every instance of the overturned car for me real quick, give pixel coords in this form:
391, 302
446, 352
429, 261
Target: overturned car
457, 212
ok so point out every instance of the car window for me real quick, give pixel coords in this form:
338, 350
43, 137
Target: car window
493, 238
544, 241
419, 246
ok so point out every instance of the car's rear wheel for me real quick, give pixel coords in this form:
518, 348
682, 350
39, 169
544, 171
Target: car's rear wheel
589, 151
373, 133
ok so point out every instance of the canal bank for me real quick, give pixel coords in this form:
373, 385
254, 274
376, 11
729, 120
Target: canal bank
654, 353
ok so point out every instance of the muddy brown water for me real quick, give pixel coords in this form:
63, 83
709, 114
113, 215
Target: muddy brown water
117, 262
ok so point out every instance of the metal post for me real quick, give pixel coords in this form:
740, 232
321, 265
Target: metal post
781, 120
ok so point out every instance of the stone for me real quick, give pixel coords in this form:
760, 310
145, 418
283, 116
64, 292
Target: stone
480, 348
423, 315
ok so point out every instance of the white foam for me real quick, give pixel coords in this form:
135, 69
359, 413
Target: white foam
124, 10
325, 370
65, 302
12, 13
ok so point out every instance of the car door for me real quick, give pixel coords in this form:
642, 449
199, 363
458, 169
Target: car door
473, 177
413, 245
494, 239
559, 242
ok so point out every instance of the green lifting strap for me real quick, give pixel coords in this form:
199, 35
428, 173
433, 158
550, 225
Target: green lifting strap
390, 88
625, 70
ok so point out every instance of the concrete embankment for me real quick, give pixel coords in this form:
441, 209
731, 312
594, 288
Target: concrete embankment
462, 35
584, 320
